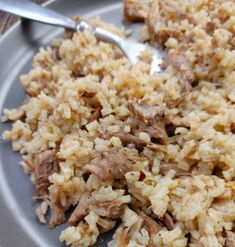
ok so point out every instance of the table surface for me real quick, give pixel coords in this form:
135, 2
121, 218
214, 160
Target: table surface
7, 20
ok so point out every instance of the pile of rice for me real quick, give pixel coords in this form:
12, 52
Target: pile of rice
116, 143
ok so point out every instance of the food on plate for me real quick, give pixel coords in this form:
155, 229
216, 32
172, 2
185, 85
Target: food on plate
115, 143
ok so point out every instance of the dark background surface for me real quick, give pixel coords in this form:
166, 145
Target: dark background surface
7, 20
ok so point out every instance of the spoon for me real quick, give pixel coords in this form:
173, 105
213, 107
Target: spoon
32, 11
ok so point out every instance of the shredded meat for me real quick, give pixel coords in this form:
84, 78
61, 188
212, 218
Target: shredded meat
40, 215
210, 28
230, 239
127, 138
95, 114
89, 92
81, 210
146, 112
179, 62
106, 208
168, 221
112, 164
57, 210
88, 202
149, 119
91, 100
45, 164
151, 226
165, 168
135, 10
122, 239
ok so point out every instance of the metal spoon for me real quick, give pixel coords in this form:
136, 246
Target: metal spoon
41, 14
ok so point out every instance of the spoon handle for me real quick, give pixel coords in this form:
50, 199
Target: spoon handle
32, 11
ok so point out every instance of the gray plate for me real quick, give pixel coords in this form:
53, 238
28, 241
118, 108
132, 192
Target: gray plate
18, 224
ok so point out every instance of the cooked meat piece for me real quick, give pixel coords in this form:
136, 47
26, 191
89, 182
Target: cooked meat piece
91, 100
165, 168
95, 114
89, 92
180, 63
168, 221
112, 164
158, 134
210, 28
151, 226
40, 215
127, 138
156, 147
146, 112
149, 119
230, 239
135, 10
106, 208
45, 164
57, 210
121, 238
81, 210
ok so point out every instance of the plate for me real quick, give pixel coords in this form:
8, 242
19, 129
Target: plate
18, 224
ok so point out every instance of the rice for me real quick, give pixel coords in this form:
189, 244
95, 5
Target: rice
154, 151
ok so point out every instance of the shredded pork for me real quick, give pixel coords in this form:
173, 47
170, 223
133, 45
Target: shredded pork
112, 164
45, 164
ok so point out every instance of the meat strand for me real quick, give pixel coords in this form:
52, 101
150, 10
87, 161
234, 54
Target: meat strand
112, 164
149, 119
81, 210
57, 210
104, 208
151, 226
165, 168
45, 164
179, 62
168, 221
